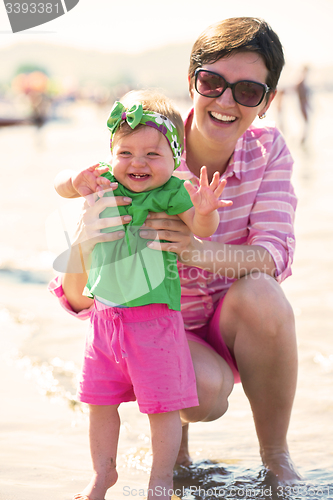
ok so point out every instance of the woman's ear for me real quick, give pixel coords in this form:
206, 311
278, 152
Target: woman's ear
264, 110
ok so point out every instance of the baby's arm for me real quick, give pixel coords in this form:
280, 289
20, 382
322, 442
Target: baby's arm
203, 218
71, 184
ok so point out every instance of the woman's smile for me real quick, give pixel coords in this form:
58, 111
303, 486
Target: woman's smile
222, 118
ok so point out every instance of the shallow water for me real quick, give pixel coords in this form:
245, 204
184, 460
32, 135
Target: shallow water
47, 344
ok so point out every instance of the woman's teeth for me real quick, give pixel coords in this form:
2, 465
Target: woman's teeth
223, 118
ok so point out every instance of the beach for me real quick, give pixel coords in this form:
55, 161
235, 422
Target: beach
44, 432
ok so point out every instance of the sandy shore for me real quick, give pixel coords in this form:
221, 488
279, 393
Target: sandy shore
41, 455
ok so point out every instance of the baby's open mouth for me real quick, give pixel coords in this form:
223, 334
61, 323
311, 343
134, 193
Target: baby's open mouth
139, 176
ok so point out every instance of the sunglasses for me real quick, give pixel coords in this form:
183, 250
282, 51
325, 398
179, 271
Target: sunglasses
244, 92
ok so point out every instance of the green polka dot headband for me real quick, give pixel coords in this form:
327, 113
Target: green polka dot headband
135, 115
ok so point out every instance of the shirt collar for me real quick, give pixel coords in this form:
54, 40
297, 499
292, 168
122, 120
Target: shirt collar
235, 164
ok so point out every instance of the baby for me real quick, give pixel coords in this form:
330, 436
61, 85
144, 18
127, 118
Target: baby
136, 348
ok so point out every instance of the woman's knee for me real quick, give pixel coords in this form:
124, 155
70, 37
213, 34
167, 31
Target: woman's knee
258, 303
214, 384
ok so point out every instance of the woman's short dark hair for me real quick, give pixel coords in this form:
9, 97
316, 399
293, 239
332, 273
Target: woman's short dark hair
239, 34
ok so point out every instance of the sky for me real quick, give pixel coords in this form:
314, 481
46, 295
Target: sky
304, 26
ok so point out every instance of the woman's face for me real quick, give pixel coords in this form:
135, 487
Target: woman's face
222, 119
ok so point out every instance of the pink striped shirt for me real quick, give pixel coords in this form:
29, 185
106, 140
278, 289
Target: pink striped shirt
264, 202
259, 184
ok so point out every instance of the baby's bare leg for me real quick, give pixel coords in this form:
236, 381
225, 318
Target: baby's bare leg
104, 424
166, 431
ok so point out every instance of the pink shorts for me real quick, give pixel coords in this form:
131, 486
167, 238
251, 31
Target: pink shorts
210, 336
138, 353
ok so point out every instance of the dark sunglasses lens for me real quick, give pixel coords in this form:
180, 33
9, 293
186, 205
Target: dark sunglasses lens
249, 93
209, 84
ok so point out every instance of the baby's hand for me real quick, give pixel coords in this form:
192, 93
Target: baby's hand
89, 181
205, 199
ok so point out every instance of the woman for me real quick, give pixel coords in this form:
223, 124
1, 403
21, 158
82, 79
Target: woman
238, 320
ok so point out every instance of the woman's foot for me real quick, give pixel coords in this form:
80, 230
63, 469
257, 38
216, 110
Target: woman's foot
97, 487
183, 457
281, 465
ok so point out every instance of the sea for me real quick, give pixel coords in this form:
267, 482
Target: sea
44, 342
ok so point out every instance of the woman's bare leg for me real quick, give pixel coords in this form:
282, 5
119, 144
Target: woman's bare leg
257, 324
104, 425
183, 457
214, 385
166, 429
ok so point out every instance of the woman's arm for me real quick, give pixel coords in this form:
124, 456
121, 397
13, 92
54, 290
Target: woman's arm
231, 261
87, 234
271, 221
270, 226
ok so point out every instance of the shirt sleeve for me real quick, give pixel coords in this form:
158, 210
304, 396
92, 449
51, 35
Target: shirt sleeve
55, 287
179, 200
273, 213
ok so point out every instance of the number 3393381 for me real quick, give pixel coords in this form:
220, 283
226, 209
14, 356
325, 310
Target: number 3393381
32, 8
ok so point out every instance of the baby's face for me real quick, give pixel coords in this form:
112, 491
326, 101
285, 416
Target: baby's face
142, 160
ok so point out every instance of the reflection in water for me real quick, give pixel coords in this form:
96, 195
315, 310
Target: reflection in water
212, 480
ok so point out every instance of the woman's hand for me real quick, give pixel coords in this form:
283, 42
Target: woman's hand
179, 239
87, 234
88, 229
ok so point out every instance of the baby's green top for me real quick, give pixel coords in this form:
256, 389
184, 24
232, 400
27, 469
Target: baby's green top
127, 272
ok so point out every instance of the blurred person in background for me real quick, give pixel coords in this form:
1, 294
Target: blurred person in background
303, 94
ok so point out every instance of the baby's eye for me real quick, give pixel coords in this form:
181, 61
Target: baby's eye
152, 153
125, 153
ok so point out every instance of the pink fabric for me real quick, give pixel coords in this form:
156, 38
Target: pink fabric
263, 210
259, 183
55, 287
138, 353
210, 336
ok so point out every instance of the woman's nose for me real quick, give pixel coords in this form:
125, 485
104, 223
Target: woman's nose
226, 99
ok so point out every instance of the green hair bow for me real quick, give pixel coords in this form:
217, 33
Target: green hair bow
119, 114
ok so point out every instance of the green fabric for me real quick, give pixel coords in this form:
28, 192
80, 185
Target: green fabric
119, 113
126, 271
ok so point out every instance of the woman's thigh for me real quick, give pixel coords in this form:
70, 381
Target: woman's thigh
257, 305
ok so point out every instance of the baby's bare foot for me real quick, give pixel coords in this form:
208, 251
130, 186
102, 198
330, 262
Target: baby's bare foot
80, 497
98, 487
